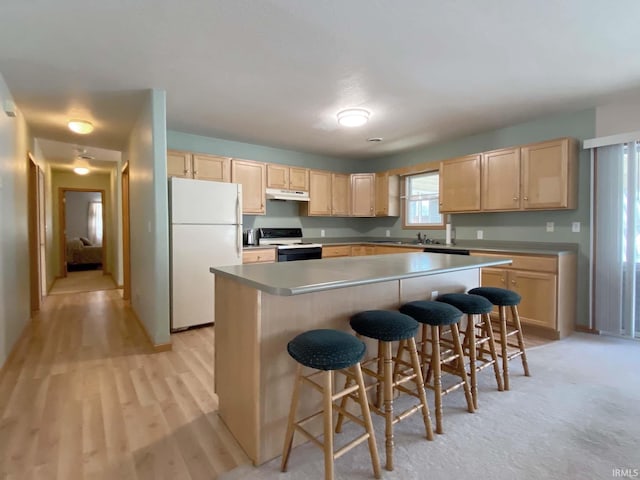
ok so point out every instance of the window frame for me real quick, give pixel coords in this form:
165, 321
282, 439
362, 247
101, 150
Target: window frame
404, 197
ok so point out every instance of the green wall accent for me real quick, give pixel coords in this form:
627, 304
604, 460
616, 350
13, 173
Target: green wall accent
248, 151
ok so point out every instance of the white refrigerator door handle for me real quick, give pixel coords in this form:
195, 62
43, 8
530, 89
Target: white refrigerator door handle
239, 240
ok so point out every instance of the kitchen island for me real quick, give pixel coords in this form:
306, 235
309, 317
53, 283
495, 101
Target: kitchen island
260, 307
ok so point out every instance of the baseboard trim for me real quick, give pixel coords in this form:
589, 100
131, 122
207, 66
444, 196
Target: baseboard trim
14, 350
156, 347
583, 329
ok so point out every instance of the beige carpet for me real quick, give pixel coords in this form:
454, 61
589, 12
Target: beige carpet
87, 281
575, 418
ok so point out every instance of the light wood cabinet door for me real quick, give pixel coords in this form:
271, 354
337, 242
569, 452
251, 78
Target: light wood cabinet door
277, 176
549, 175
252, 177
319, 193
387, 189
299, 179
211, 167
340, 193
363, 194
179, 164
501, 179
538, 291
460, 184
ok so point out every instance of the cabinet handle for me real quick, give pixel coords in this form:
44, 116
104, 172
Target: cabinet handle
502, 280
515, 199
440, 203
526, 198
513, 282
195, 172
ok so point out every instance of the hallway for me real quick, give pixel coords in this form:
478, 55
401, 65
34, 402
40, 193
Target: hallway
84, 397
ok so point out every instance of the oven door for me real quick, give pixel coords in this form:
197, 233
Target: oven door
294, 254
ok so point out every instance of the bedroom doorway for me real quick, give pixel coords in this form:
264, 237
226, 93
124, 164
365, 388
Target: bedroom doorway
82, 231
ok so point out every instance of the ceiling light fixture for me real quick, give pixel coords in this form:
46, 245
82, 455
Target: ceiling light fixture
353, 117
80, 126
81, 170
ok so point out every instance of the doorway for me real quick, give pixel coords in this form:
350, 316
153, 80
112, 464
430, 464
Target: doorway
83, 241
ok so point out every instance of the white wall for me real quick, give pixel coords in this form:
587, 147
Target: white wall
14, 245
618, 117
149, 220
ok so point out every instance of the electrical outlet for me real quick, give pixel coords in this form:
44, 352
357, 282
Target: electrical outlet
575, 227
322, 233
434, 294
388, 233
550, 226
479, 234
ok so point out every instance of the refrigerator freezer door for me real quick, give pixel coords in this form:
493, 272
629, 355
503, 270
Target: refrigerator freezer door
205, 202
195, 248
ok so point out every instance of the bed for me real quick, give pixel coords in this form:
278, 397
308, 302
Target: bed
82, 255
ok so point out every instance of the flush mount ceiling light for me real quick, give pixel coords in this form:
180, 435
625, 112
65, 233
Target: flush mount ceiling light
81, 170
80, 126
353, 117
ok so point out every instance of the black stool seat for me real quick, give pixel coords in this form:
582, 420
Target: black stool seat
498, 296
432, 313
469, 304
384, 325
326, 349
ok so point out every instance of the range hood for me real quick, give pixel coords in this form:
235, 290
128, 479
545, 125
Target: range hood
277, 194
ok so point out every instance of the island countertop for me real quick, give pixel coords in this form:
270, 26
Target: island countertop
296, 278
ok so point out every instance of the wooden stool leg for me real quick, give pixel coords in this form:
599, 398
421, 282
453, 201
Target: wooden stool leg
415, 361
492, 350
343, 405
503, 346
388, 403
426, 369
327, 405
470, 339
402, 346
288, 438
435, 367
379, 386
366, 415
457, 346
519, 336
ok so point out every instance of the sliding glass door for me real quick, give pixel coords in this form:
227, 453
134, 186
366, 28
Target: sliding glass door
616, 236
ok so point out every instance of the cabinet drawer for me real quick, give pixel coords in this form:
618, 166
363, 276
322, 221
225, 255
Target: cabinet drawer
525, 262
337, 251
267, 255
360, 250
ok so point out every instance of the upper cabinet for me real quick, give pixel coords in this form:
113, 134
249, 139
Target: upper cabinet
320, 194
501, 179
199, 166
253, 178
460, 184
540, 176
549, 175
340, 194
287, 178
363, 194
387, 195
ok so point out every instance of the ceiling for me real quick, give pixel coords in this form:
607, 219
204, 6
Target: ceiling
66, 156
276, 72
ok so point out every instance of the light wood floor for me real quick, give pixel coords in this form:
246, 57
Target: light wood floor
85, 398
84, 281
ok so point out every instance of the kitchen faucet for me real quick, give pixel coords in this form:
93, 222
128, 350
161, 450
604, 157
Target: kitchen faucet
420, 239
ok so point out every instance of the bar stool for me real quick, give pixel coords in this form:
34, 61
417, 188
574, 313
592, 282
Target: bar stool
478, 332
328, 351
388, 326
436, 317
503, 298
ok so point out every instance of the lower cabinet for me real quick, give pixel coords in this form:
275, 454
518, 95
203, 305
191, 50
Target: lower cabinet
547, 285
384, 249
336, 251
259, 255
362, 250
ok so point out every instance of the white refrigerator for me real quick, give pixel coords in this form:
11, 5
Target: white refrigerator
206, 231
